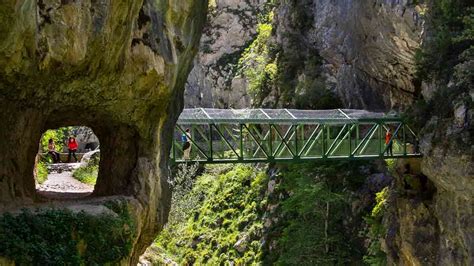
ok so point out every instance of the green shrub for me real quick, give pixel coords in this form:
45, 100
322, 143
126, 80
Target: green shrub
58, 135
311, 229
255, 62
221, 206
62, 237
375, 255
42, 172
451, 23
87, 174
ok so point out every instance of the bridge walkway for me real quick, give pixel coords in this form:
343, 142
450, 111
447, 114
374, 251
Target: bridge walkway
283, 135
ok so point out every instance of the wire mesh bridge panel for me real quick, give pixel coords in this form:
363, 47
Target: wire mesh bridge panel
273, 135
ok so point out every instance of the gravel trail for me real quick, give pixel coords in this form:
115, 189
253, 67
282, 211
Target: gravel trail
61, 183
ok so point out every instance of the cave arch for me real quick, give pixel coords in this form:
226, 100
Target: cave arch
81, 68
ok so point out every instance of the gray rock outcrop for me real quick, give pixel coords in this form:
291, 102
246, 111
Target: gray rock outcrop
213, 82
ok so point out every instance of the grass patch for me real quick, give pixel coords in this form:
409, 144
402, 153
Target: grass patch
87, 174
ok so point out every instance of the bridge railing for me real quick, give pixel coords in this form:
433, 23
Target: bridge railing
274, 142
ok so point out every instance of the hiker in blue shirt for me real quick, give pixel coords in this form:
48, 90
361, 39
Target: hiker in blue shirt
186, 144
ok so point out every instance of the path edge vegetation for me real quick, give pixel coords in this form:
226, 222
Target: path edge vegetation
66, 237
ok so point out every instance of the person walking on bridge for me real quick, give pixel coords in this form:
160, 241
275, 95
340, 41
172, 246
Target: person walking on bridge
186, 144
389, 142
72, 147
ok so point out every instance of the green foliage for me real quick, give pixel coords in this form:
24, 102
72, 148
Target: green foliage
87, 174
58, 135
212, 4
311, 230
223, 205
255, 62
296, 78
375, 255
184, 198
42, 172
446, 57
451, 25
62, 237
391, 166
212, 212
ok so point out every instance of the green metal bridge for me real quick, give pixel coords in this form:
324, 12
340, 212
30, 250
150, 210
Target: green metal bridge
283, 135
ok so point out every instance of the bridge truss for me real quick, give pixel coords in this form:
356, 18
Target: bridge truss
282, 135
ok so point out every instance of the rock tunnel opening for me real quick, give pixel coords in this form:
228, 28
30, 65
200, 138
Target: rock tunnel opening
67, 163
118, 146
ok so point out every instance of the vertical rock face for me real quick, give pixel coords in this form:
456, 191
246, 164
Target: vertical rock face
118, 67
367, 49
214, 82
367, 46
448, 163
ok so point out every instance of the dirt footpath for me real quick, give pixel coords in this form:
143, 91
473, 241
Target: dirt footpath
61, 184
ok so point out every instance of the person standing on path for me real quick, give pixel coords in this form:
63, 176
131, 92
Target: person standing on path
72, 147
389, 142
186, 144
52, 151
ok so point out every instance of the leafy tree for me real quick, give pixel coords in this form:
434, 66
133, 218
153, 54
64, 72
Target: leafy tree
58, 135
375, 255
311, 230
451, 33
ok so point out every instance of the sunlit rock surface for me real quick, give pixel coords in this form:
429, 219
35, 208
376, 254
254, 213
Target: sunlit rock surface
118, 67
367, 48
214, 82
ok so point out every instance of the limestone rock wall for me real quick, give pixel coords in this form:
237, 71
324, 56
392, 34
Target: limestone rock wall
367, 49
439, 230
367, 46
214, 82
118, 67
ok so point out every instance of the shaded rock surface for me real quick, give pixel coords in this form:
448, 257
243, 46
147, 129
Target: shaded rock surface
118, 67
367, 48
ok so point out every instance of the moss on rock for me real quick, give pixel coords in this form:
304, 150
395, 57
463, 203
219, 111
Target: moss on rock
94, 63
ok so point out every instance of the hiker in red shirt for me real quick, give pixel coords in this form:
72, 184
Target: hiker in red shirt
72, 147
389, 142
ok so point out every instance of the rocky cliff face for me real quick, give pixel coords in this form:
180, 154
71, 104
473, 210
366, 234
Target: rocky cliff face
115, 66
366, 47
364, 52
214, 81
